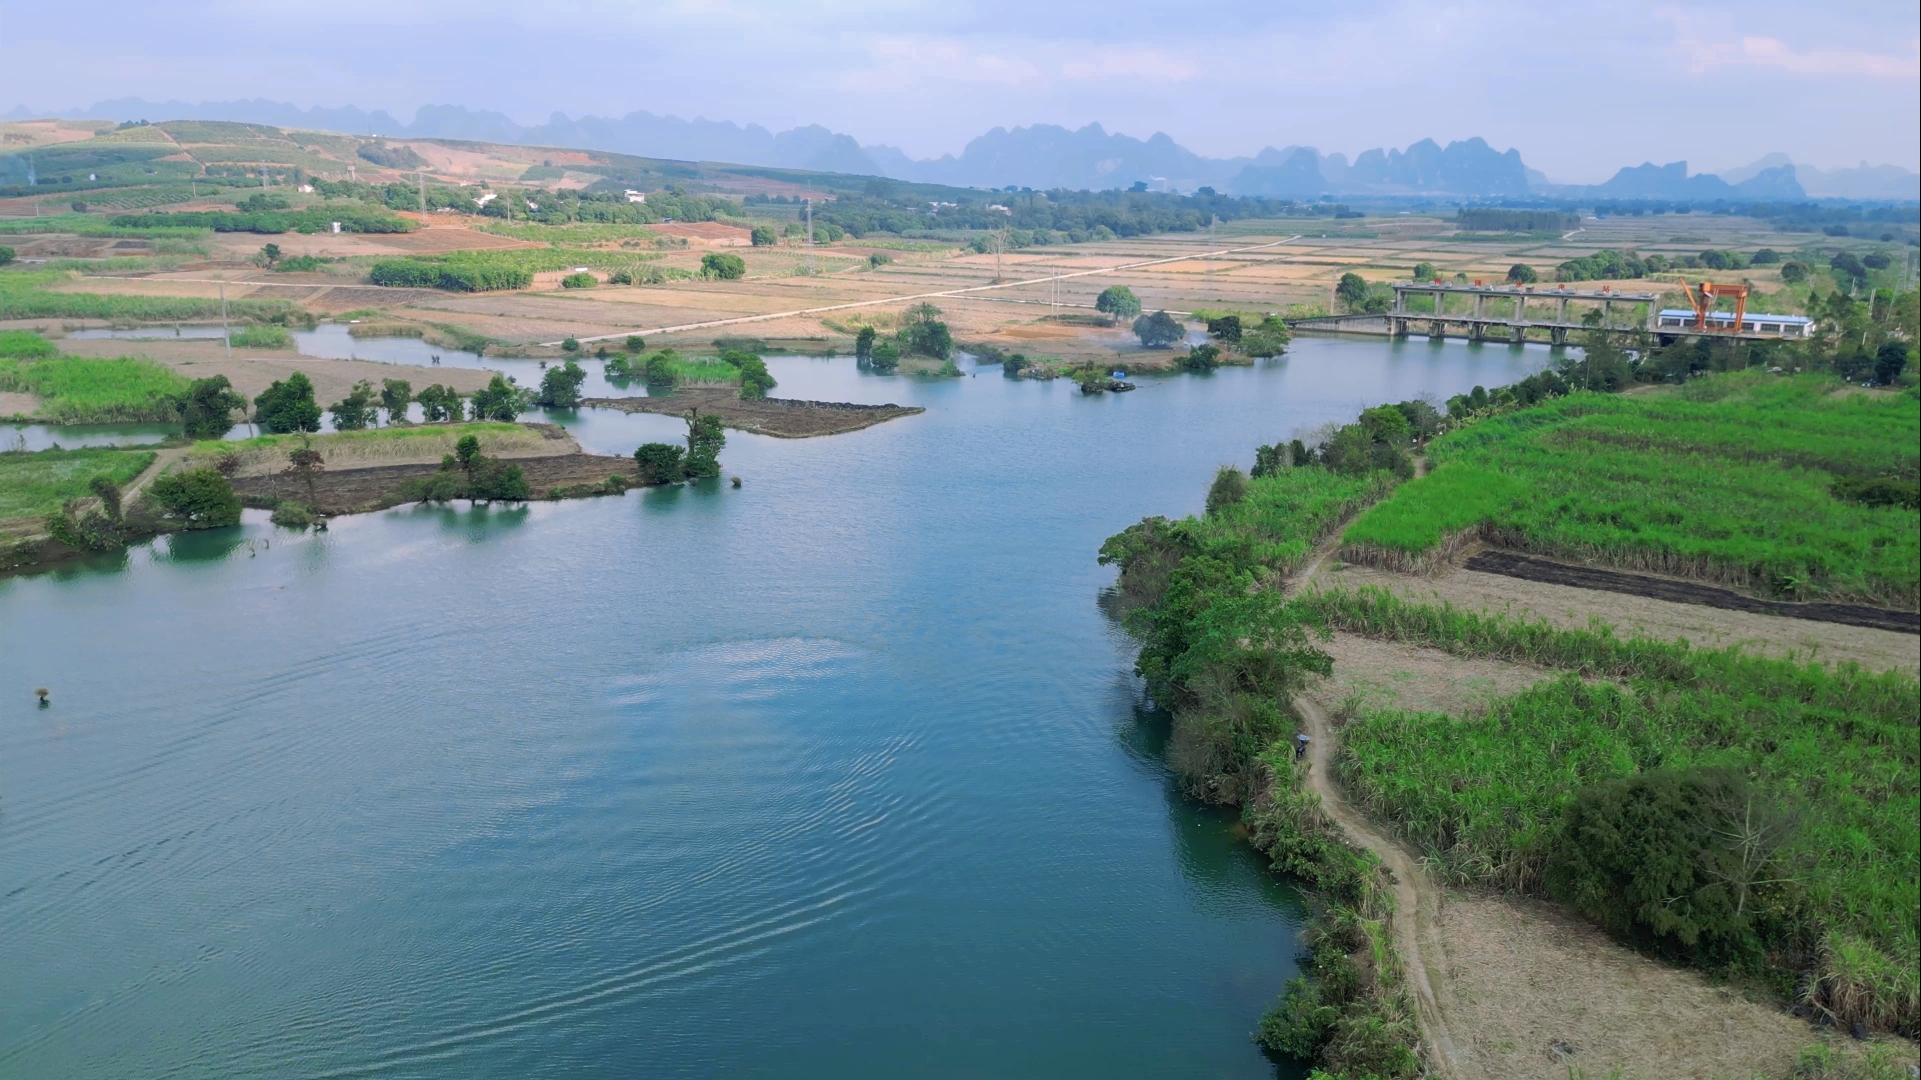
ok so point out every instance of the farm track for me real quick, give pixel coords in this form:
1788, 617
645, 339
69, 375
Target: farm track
1515, 565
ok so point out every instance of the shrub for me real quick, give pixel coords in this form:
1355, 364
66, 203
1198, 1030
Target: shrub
1522, 274
1229, 487
263, 337
660, 367
864, 345
764, 236
886, 357
292, 515
1159, 330
500, 400
6, 255
705, 439
928, 337
570, 343
581, 280
723, 265
660, 463
197, 499
878, 259
1270, 338
634, 343
755, 379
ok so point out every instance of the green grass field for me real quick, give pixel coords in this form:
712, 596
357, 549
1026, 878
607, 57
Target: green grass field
1728, 480
84, 390
24, 295
37, 484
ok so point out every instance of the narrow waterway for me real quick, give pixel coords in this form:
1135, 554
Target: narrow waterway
843, 773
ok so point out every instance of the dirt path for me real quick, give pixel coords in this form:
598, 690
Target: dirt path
1417, 902
161, 460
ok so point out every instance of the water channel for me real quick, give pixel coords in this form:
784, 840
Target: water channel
843, 773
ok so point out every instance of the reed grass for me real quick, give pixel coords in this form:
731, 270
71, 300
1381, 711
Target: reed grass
1732, 483
24, 295
411, 443
88, 390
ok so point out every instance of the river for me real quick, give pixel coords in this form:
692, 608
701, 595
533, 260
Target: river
843, 773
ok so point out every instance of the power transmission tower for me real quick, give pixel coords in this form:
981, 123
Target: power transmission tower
422, 173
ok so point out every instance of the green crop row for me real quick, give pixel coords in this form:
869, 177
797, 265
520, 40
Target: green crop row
1730, 481
24, 295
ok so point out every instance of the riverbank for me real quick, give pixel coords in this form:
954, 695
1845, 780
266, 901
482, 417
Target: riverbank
1482, 790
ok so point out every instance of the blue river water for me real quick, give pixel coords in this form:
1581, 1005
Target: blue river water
842, 773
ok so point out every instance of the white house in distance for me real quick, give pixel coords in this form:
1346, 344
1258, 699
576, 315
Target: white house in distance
1754, 322
636, 196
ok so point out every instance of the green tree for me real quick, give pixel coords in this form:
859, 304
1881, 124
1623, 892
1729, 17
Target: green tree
1424, 271
500, 401
287, 406
560, 386
1202, 358
395, 396
6, 255
580, 280
467, 454
439, 404
705, 438
1270, 338
864, 345
660, 463
928, 337
660, 367
355, 411
1793, 273
635, 343
723, 265
1159, 330
1226, 329
1387, 424
570, 343
755, 379
197, 499
886, 357
764, 236
270, 254
304, 464
1118, 302
1352, 290
1522, 274
1889, 361
206, 409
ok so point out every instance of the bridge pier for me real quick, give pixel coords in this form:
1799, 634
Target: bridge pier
1557, 335
1519, 336
1439, 330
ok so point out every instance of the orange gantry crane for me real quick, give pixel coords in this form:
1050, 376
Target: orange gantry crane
1704, 303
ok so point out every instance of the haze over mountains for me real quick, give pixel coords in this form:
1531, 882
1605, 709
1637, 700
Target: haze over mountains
1048, 156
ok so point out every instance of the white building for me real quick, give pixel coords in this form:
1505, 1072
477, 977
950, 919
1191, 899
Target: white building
636, 196
1754, 322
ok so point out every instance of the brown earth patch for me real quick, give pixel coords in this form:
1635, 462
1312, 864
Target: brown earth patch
1514, 564
711, 232
353, 491
782, 417
1394, 675
1573, 608
13, 404
1535, 993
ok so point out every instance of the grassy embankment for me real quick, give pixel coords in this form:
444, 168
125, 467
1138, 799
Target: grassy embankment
87, 390
37, 484
370, 447
1824, 761
1729, 480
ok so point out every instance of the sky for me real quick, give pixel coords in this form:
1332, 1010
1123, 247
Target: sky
1580, 89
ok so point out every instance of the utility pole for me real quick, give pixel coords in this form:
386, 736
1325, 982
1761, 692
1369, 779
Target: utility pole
999, 243
810, 237
225, 334
422, 173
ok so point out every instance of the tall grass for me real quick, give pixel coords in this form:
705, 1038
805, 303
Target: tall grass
1483, 797
36, 484
86, 390
24, 295
1731, 483
703, 371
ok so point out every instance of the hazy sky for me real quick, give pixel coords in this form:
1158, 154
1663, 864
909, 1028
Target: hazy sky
1580, 88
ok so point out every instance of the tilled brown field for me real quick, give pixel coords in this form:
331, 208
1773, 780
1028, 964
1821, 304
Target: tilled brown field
784, 418
351, 491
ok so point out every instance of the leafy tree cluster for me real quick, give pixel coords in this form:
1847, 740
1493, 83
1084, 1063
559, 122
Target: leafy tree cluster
206, 408
920, 332
287, 406
196, 499
560, 386
439, 404
666, 463
605, 203
1118, 302
500, 400
1159, 330
723, 266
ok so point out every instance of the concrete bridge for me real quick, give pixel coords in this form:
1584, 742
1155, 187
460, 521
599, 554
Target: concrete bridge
1508, 312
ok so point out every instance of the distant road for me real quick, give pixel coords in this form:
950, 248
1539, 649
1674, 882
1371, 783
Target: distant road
924, 296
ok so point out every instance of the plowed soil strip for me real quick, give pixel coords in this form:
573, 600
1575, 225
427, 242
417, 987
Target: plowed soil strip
353, 491
786, 418
1511, 564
